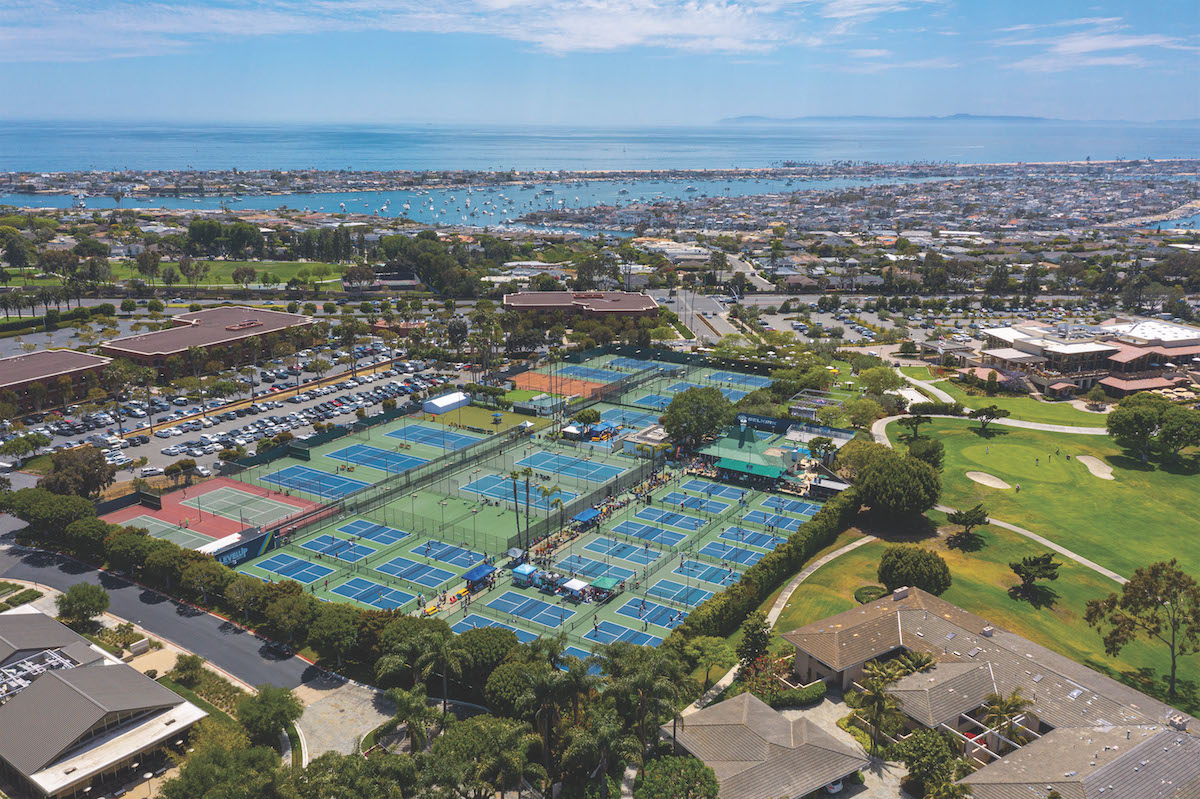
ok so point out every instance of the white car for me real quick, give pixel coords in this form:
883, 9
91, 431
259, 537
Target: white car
164, 433
151, 471
203, 471
834, 787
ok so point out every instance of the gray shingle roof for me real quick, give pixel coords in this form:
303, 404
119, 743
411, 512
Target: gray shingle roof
756, 752
25, 632
944, 691
47, 718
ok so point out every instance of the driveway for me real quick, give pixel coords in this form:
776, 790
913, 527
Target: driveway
338, 714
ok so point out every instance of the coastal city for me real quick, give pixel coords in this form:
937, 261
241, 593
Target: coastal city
658, 400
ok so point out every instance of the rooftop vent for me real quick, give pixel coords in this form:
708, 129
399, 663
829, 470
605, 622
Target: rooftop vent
900, 593
1178, 722
987, 631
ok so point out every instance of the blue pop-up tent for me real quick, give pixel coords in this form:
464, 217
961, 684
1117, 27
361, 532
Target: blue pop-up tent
478, 572
586, 516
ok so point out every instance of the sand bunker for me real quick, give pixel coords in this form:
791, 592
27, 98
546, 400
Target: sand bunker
990, 480
1096, 467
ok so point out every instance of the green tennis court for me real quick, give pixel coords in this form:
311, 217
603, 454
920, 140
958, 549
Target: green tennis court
169, 532
241, 506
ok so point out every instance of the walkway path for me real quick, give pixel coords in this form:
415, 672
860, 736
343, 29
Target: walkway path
880, 434
773, 616
1048, 428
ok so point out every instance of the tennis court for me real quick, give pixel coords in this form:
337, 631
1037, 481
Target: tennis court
534, 610
706, 572
382, 459
716, 549
657, 401
714, 489
579, 566
792, 505
293, 568
170, 532
752, 538
593, 373
496, 487
772, 520
448, 553
683, 594
379, 533
695, 503
610, 547
624, 362
557, 463
656, 535
434, 436
731, 394
683, 521
624, 416
656, 614
373, 594
474, 621
742, 380
419, 573
241, 505
314, 481
606, 632
338, 548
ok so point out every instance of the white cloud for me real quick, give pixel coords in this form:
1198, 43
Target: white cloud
1099, 42
870, 53
875, 67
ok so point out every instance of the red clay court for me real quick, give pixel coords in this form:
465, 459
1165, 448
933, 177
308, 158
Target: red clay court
198, 515
536, 381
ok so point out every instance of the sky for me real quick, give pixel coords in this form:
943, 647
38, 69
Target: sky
595, 62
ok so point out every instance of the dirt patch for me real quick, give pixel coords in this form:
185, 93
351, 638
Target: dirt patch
1096, 466
990, 480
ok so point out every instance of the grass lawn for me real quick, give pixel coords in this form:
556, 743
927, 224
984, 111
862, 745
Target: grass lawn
221, 272
1131, 521
197, 700
981, 581
521, 394
1026, 408
918, 372
482, 419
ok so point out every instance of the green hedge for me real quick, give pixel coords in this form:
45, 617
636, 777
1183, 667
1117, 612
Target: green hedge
721, 614
26, 596
936, 408
869, 593
795, 697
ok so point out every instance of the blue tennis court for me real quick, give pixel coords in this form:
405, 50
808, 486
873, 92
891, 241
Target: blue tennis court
707, 573
338, 548
474, 622
593, 373
379, 533
579, 468
293, 568
714, 489
374, 594
675, 592
656, 614
772, 520
419, 573
716, 549
496, 487
752, 538
742, 380
792, 505
382, 459
434, 436
606, 632
672, 518
314, 481
638, 419
731, 394
623, 550
657, 401
448, 553
579, 566
534, 610
695, 503
623, 362
657, 535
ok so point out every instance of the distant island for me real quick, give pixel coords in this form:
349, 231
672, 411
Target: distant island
742, 120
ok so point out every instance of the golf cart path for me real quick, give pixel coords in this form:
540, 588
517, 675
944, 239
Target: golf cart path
1048, 428
880, 434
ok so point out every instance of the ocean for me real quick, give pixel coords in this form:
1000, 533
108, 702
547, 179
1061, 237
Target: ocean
68, 146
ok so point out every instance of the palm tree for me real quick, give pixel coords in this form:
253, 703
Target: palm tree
549, 493
508, 761
413, 711
403, 657
882, 671
578, 683
594, 744
651, 688
1001, 713
548, 649
544, 694
527, 473
876, 706
442, 653
913, 661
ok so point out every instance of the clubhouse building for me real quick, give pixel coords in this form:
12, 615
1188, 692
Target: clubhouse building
224, 331
1084, 735
584, 303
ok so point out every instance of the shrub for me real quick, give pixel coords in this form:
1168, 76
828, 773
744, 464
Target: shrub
795, 697
914, 566
869, 593
936, 409
26, 596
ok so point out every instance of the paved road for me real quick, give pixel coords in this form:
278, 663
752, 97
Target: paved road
224, 644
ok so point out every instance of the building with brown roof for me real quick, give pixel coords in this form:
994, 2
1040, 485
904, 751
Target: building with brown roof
74, 720
225, 331
587, 303
48, 368
757, 753
1082, 734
